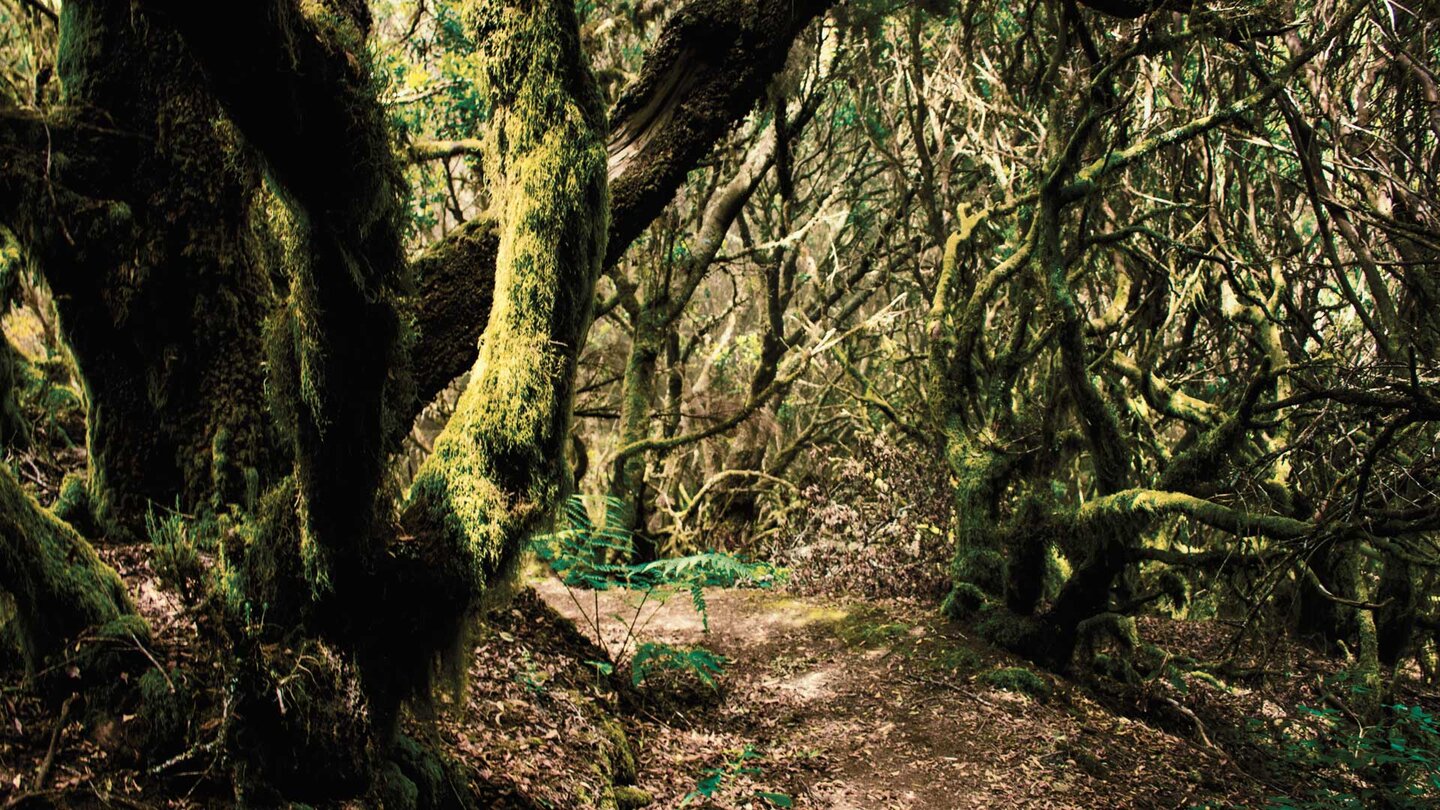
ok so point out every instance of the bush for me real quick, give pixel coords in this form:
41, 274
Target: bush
176, 557
1393, 764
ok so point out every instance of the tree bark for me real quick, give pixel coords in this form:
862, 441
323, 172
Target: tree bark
499, 466
135, 203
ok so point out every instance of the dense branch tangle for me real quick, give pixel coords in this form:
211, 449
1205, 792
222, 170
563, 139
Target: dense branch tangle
1164, 324
1153, 283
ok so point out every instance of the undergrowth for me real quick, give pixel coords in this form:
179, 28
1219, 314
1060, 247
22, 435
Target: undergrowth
596, 556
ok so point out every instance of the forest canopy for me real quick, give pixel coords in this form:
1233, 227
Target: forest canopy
1066, 322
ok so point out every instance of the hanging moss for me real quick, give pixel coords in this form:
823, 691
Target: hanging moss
337, 346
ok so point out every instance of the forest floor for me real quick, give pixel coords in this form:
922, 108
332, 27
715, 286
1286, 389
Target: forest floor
858, 705
845, 704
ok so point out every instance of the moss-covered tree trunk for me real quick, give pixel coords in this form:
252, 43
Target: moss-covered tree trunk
14, 427
295, 80
637, 395
499, 466
61, 588
149, 251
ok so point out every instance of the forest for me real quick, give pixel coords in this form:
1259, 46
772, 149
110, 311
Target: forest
611, 404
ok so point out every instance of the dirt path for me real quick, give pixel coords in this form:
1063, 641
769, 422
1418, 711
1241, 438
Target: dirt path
854, 707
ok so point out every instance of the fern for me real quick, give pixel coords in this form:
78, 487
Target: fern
713, 779
650, 658
587, 555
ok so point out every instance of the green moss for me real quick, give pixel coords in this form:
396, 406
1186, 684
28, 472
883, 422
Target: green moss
60, 587
1207, 678
957, 660
14, 426
423, 768
1018, 679
963, 601
629, 797
260, 573
165, 707
870, 630
396, 790
1118, 629
983, 568
1114, 667
1019, 634
72, 505
616, 749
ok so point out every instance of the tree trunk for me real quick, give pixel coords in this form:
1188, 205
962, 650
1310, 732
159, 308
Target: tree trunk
627, 481
499, 466
159, 289
61, 589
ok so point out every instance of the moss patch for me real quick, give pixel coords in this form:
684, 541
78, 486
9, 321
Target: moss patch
1017, 679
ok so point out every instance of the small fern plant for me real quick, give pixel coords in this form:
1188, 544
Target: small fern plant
596, 556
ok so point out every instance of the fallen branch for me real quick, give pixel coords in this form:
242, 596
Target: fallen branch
44, 771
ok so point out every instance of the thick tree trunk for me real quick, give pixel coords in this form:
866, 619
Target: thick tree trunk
151, 260
294, 79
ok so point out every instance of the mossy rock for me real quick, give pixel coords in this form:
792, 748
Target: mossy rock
1018, 679
963, 601
396, 790
424, 770
629, 797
